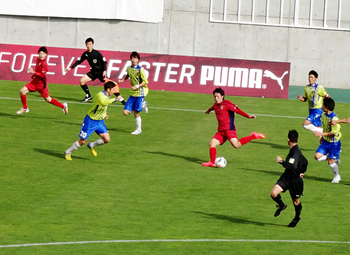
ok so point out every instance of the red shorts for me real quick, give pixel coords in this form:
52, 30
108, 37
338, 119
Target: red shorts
40, 87
223, 136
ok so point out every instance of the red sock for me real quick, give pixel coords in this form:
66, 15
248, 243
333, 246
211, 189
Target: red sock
24, 101
55, 102
246, 139
212, 152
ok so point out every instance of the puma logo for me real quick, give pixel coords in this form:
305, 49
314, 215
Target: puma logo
271, 75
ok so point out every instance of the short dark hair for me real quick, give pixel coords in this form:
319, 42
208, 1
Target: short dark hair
109, 85
43, 49
134, 54
220, 91
293, 136
89, 40
329, 103
314, 73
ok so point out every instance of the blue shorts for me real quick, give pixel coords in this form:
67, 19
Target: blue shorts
134, 104
89, 126
315, 117
332, 149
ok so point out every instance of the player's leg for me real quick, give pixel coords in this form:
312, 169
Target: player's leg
138, 121
215, 141
238, 143
333, 160
23, 93
76, 145
276, 196
83, 80
102, 131
53, 101
116, 92
298, 208
313, 121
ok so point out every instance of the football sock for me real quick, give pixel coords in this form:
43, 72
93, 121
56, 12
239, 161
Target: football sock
298, 209
74, 147
138, 123
246, 139
312, 128
56, 103
278, 200
335, 168
24, 101
323, 158
86, 90
212, 152
97, 143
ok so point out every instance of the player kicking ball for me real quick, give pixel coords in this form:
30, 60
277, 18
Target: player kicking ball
39, 83
225, 112
94, 122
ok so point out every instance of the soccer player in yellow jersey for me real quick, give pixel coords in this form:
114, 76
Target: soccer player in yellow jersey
331, 135
138, 81
313, 94
94, 121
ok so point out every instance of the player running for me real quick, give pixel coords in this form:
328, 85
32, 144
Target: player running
225, 113
139, 90
39, 83
94, 121
313, 94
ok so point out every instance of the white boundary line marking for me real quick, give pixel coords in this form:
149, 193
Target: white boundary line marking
177, 240
169, 109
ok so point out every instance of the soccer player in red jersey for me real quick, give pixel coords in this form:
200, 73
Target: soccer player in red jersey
39, 83
225, 112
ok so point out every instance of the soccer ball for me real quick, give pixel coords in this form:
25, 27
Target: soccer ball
220, 162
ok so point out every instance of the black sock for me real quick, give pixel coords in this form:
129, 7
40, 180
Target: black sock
298, 209
86, 90
278, 200
122, 101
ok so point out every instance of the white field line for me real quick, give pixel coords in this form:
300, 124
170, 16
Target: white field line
162, 108
177, 240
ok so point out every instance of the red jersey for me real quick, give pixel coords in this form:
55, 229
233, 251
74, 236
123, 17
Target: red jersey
225, 114
40, 70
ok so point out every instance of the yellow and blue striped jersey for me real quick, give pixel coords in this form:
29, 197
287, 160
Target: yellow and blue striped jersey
99, 107
137, 76
314, 95
326, 125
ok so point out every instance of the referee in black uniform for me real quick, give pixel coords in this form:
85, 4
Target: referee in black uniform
98, 65
292, 179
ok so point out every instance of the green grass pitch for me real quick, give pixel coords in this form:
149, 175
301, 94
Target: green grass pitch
152, 190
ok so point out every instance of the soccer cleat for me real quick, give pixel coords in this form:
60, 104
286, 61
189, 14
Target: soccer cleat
144, 106
93, 151
68, 156
209, 163
258, 135
336, 179
136, 132
280, 210
65, 108
22, 111
86, 99
293, 223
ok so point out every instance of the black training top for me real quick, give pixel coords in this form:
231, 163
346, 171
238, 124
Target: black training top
96, 61
295, 163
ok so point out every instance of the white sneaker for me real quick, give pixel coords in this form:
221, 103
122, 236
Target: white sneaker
144, 106
136, 132
336, 179
22, 111
65, 109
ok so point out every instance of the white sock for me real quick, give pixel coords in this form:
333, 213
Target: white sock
138, 123
74, 147
97, 143
335, 168
312, 128
323, 158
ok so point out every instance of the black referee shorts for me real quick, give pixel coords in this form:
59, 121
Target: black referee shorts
96, 75
295, 186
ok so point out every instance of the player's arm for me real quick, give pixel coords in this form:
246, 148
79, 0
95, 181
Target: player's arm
76, 63
301, 98
124, 78
104, 64
43, 72
322, 92
209, 110
335, 122
235, 109
291, 162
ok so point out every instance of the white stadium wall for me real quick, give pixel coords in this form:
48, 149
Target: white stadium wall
193, 28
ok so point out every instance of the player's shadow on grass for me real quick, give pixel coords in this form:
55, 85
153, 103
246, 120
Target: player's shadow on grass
26, 115
67, 122
278, 146
191, 159
57, 154
120, 130
238, 220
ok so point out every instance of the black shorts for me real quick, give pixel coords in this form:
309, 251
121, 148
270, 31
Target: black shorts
96, 75
295, 186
